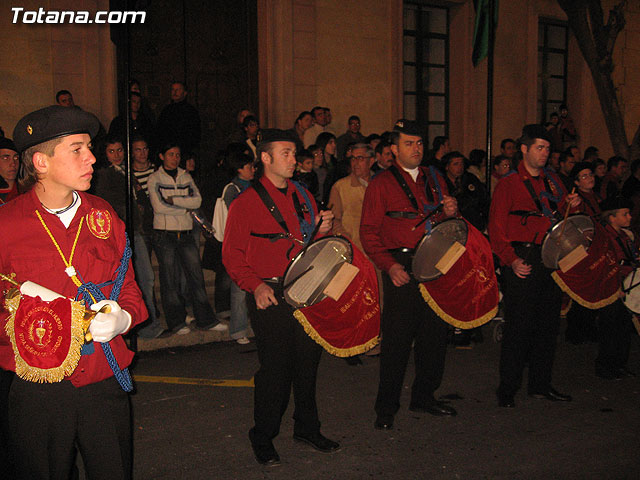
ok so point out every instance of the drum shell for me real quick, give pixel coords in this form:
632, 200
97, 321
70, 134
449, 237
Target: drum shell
564, 237
296, 267
435, 244
632, 297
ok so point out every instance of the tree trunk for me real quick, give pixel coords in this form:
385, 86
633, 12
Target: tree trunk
596, 44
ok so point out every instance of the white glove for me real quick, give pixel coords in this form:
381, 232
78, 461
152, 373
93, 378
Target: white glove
106, 326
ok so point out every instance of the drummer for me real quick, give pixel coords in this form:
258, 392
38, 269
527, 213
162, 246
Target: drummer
616, 327
583, 177
388, 236
581, 321
256, 252
525, 204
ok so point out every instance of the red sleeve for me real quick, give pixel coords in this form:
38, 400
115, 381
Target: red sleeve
237, 236
498, 217
373, 211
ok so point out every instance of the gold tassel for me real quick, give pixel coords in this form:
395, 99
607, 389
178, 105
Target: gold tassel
478, 322
574, 296
69, 364
338, 352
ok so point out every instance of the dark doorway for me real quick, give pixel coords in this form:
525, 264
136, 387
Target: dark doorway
212, 46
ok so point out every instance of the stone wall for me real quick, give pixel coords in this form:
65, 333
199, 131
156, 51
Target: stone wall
40, 59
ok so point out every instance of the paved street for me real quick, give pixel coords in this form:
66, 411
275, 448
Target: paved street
199, 431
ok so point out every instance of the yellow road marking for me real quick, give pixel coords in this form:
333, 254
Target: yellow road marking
194, 381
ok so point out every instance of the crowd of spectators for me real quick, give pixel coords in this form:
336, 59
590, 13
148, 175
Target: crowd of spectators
170, 184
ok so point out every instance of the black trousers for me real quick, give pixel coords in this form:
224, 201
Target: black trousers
581, 324
615, 330
407, 319
6, 458
49, 421
532, 317
288, 357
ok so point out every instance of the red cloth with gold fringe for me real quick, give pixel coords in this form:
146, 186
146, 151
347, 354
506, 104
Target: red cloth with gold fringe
467, 296
594, 282
350, 325
46, 337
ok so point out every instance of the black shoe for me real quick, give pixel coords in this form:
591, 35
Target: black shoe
383, 423
506, 401
438, 409
266, 455
318, 441
552, 395
165, 334
608, 374
625, 372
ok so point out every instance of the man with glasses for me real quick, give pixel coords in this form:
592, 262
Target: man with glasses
347, 194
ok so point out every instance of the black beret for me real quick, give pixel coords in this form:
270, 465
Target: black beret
617, 202
270, 135
535, 130
578, 167
409, 127
6, 143
53, 122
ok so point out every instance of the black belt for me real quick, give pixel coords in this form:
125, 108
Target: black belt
270, 236
272, 280
401, 250
526, 244
525, 214
174, 232
410, 215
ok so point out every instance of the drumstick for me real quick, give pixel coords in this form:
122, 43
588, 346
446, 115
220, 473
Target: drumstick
564, 223
297, 277
438, 209
315, 230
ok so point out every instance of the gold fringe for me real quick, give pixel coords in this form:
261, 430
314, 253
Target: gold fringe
478, 322
574, 296
338, 352
69, 364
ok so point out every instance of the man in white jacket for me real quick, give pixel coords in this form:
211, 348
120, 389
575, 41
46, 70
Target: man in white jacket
173, 193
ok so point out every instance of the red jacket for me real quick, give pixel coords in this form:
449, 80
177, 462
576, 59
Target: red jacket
248, 258
511, 195
27, 251
8, 194
380, 232
624, 248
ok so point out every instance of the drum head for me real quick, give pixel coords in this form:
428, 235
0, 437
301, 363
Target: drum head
313, 268
578, 231
434, 245
631, 286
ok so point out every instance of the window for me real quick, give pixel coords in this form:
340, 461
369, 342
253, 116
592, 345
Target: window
426, 66
553, 38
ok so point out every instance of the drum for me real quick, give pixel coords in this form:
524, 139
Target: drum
632, 298
434, 245
564, 237
313, 269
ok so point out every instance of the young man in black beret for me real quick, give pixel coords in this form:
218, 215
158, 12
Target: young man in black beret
532, 299
74, 244
394, 202
256, 251
616, 328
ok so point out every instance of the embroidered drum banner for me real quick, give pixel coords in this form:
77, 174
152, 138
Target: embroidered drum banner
467, 295
348, 324
594, 282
